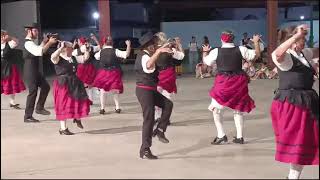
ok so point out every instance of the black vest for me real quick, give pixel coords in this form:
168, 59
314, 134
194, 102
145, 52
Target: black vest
165, 60
65, 68
298, 77
66, 75
108, 58
295, 86
145, 79
229, 60
5, 62
31, 64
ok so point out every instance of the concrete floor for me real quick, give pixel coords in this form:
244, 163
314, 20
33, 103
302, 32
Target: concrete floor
108, 147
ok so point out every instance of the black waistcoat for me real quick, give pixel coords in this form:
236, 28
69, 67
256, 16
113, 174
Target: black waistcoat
145, 79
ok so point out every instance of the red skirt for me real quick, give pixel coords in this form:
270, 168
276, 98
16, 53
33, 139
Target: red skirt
109, 80
86, 72
296, 134
232, 91
67, 107
167, 80
12, 84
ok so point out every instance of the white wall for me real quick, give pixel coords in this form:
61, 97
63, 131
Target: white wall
15, 15
213, 30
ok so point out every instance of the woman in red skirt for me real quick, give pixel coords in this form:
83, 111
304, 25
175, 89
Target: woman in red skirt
231, 84
109, 75
11, 82
167, 75
295, 108
70, 97
86, 72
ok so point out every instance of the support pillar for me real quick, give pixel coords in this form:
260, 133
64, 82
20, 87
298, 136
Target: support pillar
104, 18
272, 25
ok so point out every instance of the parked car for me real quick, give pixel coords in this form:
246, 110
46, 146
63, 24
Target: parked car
120, 44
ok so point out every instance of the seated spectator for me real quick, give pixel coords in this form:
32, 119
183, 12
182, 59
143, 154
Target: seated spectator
262, 72
273, 74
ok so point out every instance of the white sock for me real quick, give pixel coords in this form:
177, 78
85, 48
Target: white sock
217, 117
63, 125
102, 98
11, 99
295, 171
116, 100
157, 112
238, 120
90, 93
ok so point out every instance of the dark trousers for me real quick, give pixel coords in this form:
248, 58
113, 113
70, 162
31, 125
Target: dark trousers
33, 91
148, 99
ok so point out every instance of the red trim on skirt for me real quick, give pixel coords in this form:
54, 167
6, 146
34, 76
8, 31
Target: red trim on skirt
232, 91
65, 106
296, 134
147, 87
13, 83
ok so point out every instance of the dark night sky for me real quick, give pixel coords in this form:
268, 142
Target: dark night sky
67, 13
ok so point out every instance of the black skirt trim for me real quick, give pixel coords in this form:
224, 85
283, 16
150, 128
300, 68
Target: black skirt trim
75, 86
303, 98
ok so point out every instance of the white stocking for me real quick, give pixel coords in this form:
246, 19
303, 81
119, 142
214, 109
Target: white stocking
116, 100
102, 98
295, 171
218, 118
158, 112
63, 125
238, 120
90, 93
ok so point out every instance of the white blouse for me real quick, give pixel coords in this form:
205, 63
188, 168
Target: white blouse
247, 54
287, 63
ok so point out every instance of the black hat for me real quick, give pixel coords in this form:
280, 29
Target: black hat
33, 25
146, 38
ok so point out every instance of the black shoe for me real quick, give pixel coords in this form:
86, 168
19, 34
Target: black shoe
79, 124
43, 112
31, 120
16, 106
118, 111
160, 135
217, 140
238, 140
65, 132
147, 153
102, 111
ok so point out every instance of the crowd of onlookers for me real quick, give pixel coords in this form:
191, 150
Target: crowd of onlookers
255, 70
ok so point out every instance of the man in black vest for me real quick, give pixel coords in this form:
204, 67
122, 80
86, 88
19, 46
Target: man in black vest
34, 78
147, 94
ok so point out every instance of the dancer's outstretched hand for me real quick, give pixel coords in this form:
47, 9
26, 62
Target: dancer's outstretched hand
205, 48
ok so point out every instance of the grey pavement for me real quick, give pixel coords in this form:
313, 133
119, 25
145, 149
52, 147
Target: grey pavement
108, 147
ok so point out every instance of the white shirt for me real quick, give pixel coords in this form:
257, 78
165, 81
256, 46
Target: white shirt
193, 46
177, 54
287, 63
145, 58
83, 49
12, 44
119, 53
55, 59
33, 48
247, 54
